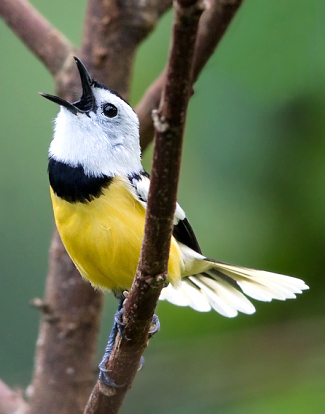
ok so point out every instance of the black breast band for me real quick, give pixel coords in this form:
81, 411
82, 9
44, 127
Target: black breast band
73, 184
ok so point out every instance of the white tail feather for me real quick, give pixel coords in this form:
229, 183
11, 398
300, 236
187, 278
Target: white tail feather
216, 288
186, 295
230, 295
216, 300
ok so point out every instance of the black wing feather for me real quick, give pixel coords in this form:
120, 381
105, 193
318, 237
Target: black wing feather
183, 231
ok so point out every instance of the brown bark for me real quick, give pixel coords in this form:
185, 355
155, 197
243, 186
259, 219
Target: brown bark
113, 30
152, 270
71, 310
213, 24
66, 346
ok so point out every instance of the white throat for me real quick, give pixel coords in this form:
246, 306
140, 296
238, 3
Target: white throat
83, 140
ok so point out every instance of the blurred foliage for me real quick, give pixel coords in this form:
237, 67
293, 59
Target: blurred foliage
252, 184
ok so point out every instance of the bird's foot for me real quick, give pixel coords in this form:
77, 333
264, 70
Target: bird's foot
153, 330
120, 325
104, 377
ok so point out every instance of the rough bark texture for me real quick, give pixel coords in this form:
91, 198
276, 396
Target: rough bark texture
213, 24
105, 25
71, 310
113, 30
66, 348
152, 270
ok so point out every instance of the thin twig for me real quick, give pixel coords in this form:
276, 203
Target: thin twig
213, 24
152, 270
46, 42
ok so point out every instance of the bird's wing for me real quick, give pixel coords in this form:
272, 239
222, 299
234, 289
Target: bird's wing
210, 284
183, 231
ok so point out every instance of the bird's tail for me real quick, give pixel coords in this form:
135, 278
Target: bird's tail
223, 287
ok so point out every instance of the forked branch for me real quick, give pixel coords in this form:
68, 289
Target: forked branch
115, 28
152, 269
213, 24
71, 311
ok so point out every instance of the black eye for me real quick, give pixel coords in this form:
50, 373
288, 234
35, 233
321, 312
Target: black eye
109, 110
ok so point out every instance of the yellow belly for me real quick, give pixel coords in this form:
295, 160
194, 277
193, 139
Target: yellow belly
103, 237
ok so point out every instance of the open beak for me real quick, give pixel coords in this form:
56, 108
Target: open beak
61, 102
87, 100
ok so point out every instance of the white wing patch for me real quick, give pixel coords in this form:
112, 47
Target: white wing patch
140, 183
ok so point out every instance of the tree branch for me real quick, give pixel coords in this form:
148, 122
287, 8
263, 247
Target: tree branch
46, 42
66, 346
114, 28
71, 311
213, 24
152, 270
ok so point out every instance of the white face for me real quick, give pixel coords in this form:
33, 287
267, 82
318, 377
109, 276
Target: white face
100, 143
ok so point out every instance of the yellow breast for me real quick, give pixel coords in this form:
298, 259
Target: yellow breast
103, 237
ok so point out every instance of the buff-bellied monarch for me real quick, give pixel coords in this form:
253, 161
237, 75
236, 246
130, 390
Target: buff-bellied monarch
99, 193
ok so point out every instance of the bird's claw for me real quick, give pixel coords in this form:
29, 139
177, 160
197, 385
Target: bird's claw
105, 379
141, 363
103, 376
118, 326
155, 327
118, 319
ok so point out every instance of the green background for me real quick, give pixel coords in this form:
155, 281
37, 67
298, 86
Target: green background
252, 183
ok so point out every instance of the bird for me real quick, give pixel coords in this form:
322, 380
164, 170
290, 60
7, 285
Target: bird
99, 191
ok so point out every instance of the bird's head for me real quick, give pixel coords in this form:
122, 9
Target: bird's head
100, 131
